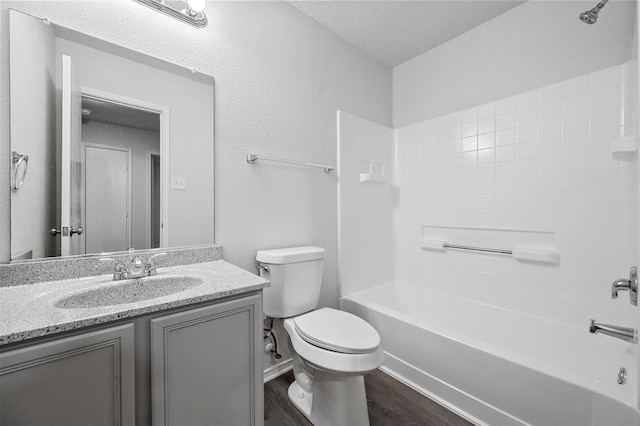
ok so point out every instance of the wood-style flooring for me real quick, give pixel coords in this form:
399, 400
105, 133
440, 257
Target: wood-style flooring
390, 403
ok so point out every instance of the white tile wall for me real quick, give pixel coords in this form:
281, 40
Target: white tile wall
539, 160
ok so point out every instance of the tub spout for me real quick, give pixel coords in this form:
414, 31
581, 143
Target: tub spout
623, 333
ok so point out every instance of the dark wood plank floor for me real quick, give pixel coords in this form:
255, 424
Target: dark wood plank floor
390, 403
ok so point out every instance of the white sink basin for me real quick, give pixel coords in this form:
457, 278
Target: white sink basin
129, 291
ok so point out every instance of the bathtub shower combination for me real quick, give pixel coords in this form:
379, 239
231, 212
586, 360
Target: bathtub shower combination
495, 366
485, 255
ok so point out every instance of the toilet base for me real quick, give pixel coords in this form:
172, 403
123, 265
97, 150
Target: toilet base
301, 400
335, 400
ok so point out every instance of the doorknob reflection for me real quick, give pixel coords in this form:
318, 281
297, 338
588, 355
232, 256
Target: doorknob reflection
65, 231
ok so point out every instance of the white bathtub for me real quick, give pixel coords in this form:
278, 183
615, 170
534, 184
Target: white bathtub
497, 367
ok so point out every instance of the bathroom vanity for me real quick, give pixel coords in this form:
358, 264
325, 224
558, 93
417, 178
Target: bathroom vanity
181, 347
192, 356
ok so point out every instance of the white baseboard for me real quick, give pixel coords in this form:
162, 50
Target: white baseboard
277, 370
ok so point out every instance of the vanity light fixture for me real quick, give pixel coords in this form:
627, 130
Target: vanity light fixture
188, 11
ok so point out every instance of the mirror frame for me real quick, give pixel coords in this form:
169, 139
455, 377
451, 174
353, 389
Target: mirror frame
106, 46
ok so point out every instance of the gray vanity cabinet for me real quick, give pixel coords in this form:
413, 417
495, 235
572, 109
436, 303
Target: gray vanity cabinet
84, 379
193, 365
206, 365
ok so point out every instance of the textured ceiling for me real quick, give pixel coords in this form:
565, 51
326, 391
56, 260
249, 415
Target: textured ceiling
396, 31
114, 113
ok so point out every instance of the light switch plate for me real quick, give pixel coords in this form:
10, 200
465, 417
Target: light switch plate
178, 182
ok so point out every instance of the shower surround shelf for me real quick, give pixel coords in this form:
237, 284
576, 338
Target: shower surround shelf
368, 177
372, 171
624, 148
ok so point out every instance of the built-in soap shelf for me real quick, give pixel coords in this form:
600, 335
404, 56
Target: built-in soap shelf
624, 148
624, 144
522, 244
368, 177
372, 171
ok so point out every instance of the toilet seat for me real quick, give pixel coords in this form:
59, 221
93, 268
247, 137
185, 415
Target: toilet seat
337, 331
330, 360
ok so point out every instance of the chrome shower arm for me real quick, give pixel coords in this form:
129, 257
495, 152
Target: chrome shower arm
591, 16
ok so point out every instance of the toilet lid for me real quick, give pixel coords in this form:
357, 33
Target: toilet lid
337, 331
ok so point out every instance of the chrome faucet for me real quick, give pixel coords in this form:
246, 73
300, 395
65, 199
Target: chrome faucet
623, 333
630, 285
136, 268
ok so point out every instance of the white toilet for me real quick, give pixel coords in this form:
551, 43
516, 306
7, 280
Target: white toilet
331, 349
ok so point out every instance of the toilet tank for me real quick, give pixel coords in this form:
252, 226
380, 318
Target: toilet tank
295, 274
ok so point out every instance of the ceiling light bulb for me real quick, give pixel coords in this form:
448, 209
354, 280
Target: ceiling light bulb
196, 5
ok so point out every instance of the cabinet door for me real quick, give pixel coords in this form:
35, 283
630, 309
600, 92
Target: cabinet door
86, 379
206, 369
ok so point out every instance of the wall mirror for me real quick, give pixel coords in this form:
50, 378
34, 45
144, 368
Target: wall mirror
119, 146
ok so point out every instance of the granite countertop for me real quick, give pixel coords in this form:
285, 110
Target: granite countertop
34, 310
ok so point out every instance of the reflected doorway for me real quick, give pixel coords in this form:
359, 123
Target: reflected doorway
115, 221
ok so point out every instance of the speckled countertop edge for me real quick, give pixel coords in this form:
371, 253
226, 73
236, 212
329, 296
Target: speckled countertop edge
29, 311
64, 268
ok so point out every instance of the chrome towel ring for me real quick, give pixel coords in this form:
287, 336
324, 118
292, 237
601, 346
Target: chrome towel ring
19, 164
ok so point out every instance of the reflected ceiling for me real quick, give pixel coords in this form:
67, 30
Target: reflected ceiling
113, 113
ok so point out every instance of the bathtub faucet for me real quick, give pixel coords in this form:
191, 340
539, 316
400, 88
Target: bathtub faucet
630, 285
624, 333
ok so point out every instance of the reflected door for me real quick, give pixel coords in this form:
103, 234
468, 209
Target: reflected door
71, 242
107, 199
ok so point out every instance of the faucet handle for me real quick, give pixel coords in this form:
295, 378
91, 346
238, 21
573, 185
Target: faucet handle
118, 271
630, 285
617, 285
164, 253
150, 267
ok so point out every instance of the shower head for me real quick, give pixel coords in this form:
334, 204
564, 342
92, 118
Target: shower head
591, 16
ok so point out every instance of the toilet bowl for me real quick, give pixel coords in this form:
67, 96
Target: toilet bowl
331, 349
